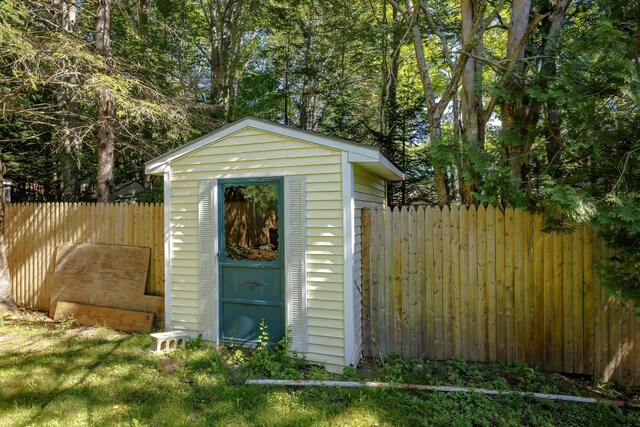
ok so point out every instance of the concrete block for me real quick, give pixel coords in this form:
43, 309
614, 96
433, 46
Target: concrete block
163, 341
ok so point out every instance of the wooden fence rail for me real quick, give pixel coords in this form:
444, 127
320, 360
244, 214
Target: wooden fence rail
487, 285
34, 230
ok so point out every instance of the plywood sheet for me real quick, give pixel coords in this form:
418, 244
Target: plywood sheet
93, 315
103, 275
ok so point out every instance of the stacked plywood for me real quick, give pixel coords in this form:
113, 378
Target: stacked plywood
104, 285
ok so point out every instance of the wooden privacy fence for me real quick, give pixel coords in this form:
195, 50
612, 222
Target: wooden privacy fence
486, 285
33, 231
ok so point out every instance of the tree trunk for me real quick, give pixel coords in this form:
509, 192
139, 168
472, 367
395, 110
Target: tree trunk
384, 69
72, 149
218, 77
285, 88
143, 17
552, 133
392, 85
71, 139
305, 98
441, 179
434, 111
7, 303
308, 79
218, 61
234, 58
106, 107
521, 113
549, 70
458, 182
471, 105
389, 115
514, 111
224, 32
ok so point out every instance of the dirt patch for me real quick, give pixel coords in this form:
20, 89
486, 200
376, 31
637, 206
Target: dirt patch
170, 365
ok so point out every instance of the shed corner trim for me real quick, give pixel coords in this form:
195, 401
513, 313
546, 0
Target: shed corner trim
348, 210
167, 249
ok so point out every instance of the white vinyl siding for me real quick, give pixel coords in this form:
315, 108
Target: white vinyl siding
369, 192
254, 153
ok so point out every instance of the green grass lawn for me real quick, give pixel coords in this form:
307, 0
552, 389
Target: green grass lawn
61, 376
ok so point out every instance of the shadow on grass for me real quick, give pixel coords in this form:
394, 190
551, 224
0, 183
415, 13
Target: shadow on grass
116, 381
94, 381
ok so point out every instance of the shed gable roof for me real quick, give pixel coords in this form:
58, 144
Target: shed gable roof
366, 156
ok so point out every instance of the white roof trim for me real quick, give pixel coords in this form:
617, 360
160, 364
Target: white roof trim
358, 153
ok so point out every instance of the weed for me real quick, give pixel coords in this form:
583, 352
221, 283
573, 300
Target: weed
66, 323
263, 362
392, 369
238, 357
4, 316
278, 361
349, 373
603, 386
194, 343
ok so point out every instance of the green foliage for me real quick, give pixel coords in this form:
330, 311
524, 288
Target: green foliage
620, 224
273, 361
596, 180
194, 343
66, 323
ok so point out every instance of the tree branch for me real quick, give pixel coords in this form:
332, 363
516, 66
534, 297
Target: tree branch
511, 64
462, 57
484, 59
556, 23
440, 34
402, 11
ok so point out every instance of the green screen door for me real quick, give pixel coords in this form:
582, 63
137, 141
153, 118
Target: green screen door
251, 260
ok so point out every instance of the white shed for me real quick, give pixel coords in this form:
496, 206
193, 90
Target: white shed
262, 225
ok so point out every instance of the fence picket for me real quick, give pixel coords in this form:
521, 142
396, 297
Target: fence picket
501, 333
421, 279
446, 283
474, 321
568, 300
456, 329
539, 303
405, 283
483, 310
437, 290
429, 284
491, 282
510, 295
529, 307
558, 300
520, 312
414, 285
465, 340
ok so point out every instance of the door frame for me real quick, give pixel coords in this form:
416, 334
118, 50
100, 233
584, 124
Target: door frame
220, 242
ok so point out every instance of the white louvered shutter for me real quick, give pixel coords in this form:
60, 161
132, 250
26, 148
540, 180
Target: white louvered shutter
207, 214
295, 243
